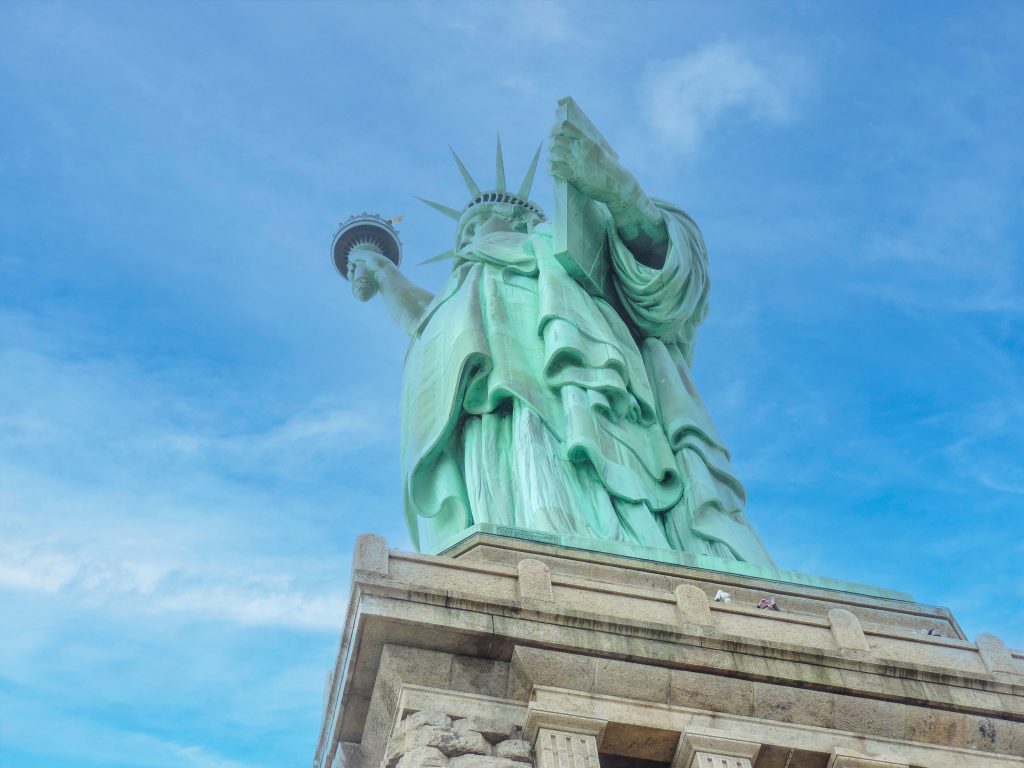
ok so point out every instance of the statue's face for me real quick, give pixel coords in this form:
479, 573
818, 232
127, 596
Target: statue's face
495, 217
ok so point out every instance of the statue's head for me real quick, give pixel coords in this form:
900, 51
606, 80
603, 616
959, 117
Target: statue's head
496, 210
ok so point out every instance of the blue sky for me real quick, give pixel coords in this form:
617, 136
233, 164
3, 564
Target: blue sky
197, 419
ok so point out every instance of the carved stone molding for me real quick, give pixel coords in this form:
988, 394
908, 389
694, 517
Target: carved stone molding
561, 740
707, 748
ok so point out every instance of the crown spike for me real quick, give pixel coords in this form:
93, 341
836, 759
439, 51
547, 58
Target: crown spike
440, 257
524, 190
470, 184
451, 213
499, 164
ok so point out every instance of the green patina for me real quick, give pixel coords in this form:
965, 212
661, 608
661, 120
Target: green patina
547, 385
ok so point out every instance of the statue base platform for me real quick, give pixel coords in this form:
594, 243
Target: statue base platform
583, 548
508, 652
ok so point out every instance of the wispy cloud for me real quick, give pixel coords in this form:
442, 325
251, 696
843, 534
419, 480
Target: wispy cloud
258, 593
303, 440
120, 491
542, 22
196, 420
687, 97
987, 446
93, 742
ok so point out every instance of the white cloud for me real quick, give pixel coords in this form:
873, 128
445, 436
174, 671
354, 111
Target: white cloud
687, 97
26, 726
260, 593
304, 440
538, 22
988, 445
124, 489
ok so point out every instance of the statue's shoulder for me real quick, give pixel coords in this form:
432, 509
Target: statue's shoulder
670, 207
682, 216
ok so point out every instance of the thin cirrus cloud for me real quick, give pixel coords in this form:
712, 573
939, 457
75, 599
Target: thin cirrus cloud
688, 97
113, 580
301, 442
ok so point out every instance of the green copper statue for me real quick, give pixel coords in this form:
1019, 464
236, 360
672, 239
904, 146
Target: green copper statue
547, 385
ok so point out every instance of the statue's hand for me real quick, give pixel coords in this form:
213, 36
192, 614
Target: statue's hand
595, 172
588, 166
367, 272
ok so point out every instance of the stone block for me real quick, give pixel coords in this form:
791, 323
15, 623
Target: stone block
847, 631
517, 750
749, 664
486, 677
1013, 705
871, 683
996, 656
555, 668
870, 716
711, 692
632, 681
972, 698
348, 754
426, 717
935, 726
692, 605
1010, 738
520, 684
482, 761
492, 729
982, 733
534, 580
813, 675
450, 741
994, 734
793, 705
416, 665
423, 757
371, 555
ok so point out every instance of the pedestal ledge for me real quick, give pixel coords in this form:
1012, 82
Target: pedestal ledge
845, 758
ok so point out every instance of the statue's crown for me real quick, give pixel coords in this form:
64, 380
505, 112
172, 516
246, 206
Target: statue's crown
492, 197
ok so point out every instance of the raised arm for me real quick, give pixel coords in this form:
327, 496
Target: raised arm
406, 302
591, 169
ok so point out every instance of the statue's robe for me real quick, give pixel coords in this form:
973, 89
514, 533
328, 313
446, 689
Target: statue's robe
528, 402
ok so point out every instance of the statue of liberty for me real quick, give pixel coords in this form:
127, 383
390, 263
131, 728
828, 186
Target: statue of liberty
547, 385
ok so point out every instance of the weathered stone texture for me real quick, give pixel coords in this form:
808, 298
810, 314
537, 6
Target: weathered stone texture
432, 739
540, 660
518, 750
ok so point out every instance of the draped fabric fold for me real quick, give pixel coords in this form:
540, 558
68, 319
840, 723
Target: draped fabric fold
528, 402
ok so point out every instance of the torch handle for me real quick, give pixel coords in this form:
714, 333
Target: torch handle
364, 286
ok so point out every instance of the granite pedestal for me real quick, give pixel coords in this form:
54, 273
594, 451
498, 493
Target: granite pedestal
507, 653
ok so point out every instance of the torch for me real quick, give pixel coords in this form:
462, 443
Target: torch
361, 235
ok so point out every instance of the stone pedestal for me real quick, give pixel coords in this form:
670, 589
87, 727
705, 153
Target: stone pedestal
509, 653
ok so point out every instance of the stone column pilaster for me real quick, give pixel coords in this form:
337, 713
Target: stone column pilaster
564, 741
706, 748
